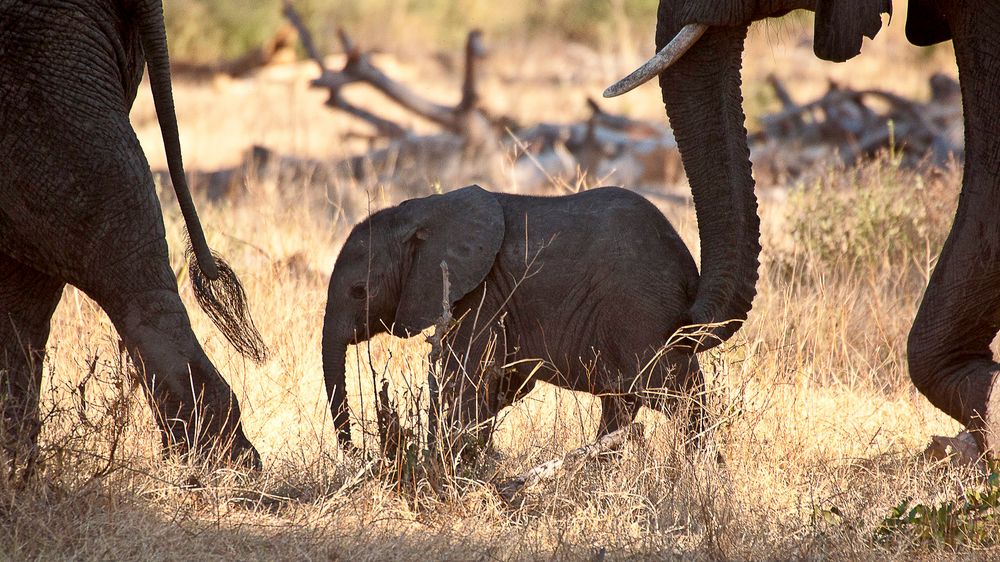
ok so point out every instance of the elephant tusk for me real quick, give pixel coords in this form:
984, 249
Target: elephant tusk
677, 46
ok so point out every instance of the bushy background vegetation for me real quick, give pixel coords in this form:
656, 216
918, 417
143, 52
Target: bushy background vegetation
207, 30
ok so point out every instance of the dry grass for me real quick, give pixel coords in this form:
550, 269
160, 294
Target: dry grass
822, 431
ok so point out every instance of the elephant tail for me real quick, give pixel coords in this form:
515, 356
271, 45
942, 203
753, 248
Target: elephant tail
216, 286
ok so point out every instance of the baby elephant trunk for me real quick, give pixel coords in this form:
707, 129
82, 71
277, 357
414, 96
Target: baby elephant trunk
334, 358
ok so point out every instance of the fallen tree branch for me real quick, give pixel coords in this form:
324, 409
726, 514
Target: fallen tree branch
335, 81
573, 460
465, 119
845, 121
788, 105
359, 68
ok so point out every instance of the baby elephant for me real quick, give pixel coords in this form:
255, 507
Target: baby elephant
582, 291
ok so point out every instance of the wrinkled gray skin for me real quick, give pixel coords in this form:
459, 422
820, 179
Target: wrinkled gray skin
949, 355
78, 206
591, 285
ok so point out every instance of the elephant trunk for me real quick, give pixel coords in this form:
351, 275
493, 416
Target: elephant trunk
949, 347
216, 286
701, 92
334, 376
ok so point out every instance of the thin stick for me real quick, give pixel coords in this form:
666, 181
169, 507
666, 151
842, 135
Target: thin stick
435, 339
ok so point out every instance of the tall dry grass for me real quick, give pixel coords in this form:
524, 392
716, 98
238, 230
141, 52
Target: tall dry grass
819, 425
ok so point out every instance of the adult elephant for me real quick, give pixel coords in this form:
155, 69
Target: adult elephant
78, 206
700, 43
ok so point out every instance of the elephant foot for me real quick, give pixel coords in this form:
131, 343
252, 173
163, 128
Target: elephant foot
205, 437
203, 426
960, 381
236, 451
961, 450
243, 454
618, 410
986, 428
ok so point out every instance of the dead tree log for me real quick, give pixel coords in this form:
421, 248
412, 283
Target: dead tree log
465, 119
606, 145
859, 123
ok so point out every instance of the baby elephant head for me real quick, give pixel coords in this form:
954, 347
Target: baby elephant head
388, 276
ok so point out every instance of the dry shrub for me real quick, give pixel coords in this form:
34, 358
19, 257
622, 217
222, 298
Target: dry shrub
878, 214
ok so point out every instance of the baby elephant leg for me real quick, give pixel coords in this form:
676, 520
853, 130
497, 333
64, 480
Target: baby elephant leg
511, 386
683, 392
471, 386
617, 411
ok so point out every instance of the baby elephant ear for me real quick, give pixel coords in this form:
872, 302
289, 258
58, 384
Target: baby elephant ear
463, 228
841, 25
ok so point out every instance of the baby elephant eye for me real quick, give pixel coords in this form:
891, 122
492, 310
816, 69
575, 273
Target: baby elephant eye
358, 291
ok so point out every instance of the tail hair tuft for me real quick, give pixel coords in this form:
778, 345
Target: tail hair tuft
225, 302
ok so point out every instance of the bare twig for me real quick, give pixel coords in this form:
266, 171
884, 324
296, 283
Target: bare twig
390, 429
435, 339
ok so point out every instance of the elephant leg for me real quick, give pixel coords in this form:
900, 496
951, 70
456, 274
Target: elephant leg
474, 380
949, 346
79, 204
194, 406
681, 390
107, 238
617, 411
27, 300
